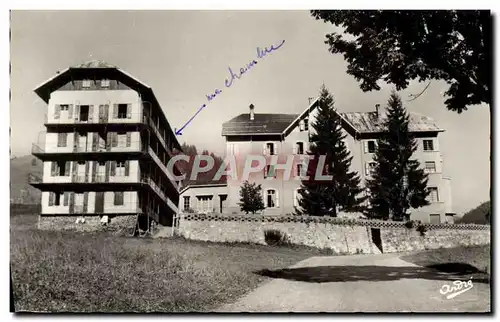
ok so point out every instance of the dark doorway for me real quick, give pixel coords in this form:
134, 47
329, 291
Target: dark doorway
99, 202
376, 238
222, 203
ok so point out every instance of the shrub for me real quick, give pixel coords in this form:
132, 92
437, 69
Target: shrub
410, 224
274, 237
421, 229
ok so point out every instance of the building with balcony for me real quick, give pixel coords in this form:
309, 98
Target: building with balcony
105, 150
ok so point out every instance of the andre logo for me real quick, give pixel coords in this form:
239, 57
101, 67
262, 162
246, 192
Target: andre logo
456, 289
233, 75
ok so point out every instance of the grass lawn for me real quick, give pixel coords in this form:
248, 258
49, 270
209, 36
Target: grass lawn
77, 272
472, 261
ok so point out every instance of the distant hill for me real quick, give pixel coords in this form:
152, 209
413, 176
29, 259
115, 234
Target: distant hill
20, 190
477, 215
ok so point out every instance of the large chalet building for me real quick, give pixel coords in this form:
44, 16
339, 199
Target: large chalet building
105, 150
280, 135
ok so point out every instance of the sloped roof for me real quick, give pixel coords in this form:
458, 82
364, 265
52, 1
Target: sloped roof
262, 124
368, 122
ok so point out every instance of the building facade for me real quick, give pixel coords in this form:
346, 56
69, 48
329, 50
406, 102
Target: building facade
106, 148
283, 138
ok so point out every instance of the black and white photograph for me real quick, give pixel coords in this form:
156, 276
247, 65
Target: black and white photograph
251, 161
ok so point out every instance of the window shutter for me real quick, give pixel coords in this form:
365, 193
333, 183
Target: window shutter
51, 198
77, 112
301, 125
75, 142
264, 151
66, 198
277, 198
129, 138
275, 148
127, 168
129, 111
72, 203
87, 168
75, 166
108, 141
295, 198
115, 111
107, 171
113, 168
367, 168
295, 148
57, 111
94, 171
365, 145
115, 139
67, 168
95, 141
91, 112
70, 111
53, 169
106, 113
64, 139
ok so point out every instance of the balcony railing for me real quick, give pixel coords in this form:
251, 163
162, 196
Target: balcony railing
134, 118
79, 178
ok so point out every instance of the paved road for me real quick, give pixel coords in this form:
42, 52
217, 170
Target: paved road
359, 283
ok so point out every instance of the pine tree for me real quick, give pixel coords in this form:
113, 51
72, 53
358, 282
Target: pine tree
251, 197
398, 183
319, 197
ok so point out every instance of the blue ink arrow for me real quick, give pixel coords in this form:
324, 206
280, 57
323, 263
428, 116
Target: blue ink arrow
179, 131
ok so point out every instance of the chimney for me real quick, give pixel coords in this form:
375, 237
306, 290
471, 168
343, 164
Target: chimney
381, 112
252, 113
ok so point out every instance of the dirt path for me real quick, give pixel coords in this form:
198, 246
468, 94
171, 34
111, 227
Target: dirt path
360, 283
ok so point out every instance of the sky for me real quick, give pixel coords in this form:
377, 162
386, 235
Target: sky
185, 55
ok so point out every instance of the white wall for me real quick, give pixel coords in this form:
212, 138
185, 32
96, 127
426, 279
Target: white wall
130, 203
95, 98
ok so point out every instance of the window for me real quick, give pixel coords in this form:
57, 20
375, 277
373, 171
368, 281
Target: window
122, 139
204, 204
61, 166
120, 168
269, 149
186, 203
434, 218
306, 124
370, 168
433, 194
269, 171
105, 83
299, 148
430, 167
84, 113
428, 145
86, 83
118, 198
300, 170
370, 146
122, 111
64, 107
301, 125
55, 198
62, 139
271, 199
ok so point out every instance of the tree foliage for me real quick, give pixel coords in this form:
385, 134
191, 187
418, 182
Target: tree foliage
251, 197
202, 178
400, 46
321, 197
397, 182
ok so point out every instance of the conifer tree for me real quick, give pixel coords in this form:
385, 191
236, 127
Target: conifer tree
397, 183
321, 197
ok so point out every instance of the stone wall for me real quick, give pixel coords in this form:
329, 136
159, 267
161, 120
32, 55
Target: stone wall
120, 224
341, 235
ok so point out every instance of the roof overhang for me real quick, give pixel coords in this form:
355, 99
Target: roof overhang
295, 122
